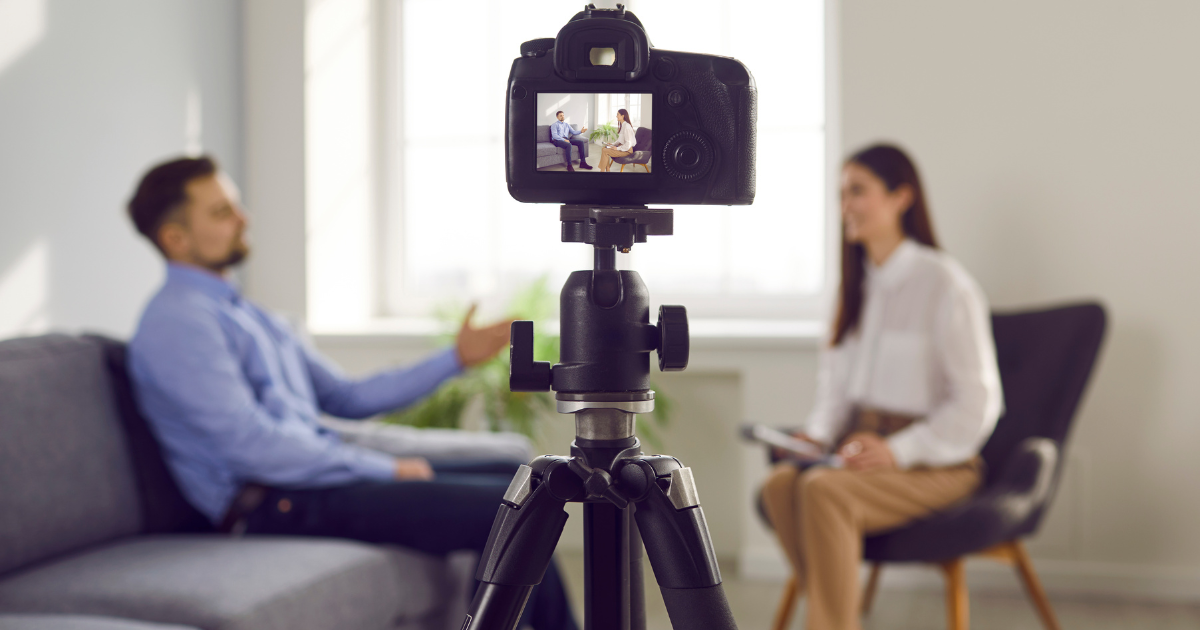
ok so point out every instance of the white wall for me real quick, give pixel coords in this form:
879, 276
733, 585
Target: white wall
274, 194
577, 108
91, 94
1058, 142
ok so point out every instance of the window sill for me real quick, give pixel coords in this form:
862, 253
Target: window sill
706, 334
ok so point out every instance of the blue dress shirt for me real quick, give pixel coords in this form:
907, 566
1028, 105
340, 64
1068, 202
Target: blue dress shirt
233, 395
561, 130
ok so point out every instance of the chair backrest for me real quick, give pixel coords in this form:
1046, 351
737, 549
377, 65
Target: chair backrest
1045, 359
641, 139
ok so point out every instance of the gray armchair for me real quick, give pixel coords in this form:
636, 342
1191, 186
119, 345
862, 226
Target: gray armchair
641, 150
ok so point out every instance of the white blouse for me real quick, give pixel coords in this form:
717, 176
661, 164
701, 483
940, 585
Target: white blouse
923, 347
625, 138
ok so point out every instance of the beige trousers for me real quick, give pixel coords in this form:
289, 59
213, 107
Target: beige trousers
822, 514
607, 155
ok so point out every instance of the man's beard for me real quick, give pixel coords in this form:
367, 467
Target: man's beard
237, 254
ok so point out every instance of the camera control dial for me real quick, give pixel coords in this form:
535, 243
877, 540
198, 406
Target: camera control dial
688, 155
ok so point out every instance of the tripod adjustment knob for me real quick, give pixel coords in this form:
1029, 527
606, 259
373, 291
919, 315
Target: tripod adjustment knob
674, 345
525, 374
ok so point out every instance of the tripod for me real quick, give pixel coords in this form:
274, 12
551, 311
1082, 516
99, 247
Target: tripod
604, 380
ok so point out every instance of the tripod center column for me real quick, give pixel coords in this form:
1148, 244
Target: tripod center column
604, 424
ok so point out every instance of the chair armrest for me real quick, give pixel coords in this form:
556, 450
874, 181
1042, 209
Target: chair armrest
1024, 484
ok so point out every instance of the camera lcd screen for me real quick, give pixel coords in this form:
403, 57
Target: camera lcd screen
594, 133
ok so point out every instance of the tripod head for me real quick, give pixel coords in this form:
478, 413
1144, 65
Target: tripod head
607, 336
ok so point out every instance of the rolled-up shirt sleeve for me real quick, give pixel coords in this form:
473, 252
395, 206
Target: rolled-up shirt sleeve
189, 374
338, 395
965, 354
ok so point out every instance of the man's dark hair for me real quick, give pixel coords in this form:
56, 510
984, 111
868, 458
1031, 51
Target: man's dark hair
162, 191
557, 113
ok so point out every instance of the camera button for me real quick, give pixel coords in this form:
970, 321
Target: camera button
676, 97
664, 70
519, 92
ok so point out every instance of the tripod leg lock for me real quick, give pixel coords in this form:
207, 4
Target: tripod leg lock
677, 542
520, 487
525, 532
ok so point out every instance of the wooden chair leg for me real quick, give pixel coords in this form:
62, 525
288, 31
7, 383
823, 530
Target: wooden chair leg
622, 167
958, 613
872, 584
1033, 585
787, 604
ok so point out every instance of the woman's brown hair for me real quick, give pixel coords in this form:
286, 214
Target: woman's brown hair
895, 169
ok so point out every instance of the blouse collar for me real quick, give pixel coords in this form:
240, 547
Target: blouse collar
895, 268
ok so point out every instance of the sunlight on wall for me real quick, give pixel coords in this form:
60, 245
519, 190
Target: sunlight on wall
25, 292
22, 24
193, 122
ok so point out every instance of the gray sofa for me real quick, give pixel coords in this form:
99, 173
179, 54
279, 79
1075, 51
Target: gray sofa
549, 154
94, 534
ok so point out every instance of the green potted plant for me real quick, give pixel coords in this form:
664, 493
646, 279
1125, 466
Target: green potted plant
604, 134
506, 410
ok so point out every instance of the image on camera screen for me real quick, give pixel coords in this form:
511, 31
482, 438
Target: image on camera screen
594, 133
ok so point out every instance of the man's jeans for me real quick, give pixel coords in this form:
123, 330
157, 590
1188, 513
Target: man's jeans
453, 511
578, 141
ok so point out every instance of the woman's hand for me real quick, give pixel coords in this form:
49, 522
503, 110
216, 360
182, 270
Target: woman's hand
865, 451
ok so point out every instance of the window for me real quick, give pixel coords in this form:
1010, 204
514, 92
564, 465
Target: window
452, 230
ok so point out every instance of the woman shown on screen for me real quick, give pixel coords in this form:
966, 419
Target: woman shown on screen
908, 390
624, 144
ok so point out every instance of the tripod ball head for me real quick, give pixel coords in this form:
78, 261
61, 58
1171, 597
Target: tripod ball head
607, 336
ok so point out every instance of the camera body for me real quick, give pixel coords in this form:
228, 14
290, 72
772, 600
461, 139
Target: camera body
680, 127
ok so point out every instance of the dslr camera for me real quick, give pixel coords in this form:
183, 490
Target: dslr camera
597, 116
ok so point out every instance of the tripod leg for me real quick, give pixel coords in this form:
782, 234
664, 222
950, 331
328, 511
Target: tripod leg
614, 598
673, 528
520, 545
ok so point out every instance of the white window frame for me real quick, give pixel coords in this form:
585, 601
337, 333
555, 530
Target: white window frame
389, 254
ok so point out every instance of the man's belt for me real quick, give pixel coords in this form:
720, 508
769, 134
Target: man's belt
244, 503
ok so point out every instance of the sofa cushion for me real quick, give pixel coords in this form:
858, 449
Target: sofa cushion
221, 583
64, 464
77, 622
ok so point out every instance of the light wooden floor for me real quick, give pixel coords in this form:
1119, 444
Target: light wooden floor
753, 605
593, 160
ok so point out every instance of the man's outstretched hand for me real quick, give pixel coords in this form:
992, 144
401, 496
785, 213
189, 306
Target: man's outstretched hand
476, 345
413, 469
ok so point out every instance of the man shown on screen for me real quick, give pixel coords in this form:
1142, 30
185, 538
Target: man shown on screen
562, 135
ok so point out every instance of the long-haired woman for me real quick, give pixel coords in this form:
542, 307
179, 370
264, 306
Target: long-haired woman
908, 390
624, 144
